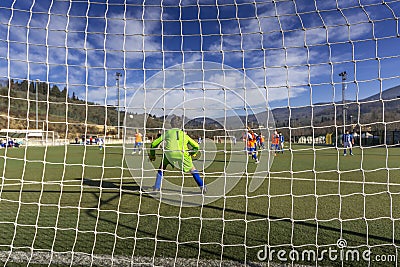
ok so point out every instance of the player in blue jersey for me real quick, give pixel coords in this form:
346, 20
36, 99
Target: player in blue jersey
281, 142
251, 144
348, 142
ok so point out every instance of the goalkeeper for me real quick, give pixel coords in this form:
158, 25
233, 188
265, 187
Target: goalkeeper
177, 154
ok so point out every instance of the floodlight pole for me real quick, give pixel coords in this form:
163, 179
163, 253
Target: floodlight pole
37, 104
344, 77
351, 122
118, 75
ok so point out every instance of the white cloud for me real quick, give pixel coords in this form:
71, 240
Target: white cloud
210, 88
109, 49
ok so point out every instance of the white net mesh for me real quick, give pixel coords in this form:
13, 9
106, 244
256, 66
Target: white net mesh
267, 89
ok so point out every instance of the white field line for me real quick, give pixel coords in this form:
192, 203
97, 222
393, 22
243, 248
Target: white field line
77, 182
52, 258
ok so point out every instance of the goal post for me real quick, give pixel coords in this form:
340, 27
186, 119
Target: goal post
225, 139
32, 137
170, 87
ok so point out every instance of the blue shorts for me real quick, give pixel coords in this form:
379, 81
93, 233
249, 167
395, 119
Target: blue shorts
251, 149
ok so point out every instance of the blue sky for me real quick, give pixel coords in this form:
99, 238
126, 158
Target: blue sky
285, 47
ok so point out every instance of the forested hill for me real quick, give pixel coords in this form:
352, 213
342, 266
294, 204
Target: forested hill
55, 107
59, 109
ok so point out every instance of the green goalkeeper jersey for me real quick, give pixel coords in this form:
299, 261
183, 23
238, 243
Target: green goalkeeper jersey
176, 143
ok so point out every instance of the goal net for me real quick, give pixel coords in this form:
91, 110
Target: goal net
309, 90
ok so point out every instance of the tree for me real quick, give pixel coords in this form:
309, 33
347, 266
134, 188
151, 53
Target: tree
43, 88
73, 96
12, 85
55, 91
24, 85
32, 87
63, 93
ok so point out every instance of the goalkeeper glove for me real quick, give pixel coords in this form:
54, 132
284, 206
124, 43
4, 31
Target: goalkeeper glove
196, 155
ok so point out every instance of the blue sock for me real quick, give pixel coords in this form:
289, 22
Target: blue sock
197, 178
157, 185
255, 156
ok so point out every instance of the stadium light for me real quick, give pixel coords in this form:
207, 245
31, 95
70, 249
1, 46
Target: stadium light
117, 77
344, 77
37, 105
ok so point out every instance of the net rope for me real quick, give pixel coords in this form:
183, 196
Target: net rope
106, 70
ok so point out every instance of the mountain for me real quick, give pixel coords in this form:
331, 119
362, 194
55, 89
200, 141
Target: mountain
321, 118
389, 94
56, 108
373, 112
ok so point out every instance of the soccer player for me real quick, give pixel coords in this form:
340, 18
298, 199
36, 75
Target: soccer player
251, 144
177, 154
100, 142
262, 140
275, 142
10, 143
348, 142
138, 142
281, 142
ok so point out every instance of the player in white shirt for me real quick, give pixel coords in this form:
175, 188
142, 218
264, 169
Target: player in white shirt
100, 142
348, 142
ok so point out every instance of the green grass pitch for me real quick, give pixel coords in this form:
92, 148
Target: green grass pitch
81, 199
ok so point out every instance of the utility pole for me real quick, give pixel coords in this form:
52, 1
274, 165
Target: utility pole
118, 75
344, 77
37, 103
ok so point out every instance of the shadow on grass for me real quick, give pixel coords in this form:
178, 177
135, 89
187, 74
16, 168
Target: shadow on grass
132, 188
111, 185
135, 190
306, 224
